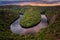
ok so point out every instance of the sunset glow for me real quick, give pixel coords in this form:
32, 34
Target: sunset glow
38, 4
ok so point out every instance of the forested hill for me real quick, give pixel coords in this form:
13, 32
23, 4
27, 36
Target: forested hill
9, 13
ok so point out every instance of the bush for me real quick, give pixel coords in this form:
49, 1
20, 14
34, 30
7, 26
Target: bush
30, 18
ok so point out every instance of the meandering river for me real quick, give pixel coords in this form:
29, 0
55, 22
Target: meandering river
16, 28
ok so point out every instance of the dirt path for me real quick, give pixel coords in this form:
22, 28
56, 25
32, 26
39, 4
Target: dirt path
53, 19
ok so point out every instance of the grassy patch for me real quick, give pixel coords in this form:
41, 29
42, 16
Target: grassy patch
30, 17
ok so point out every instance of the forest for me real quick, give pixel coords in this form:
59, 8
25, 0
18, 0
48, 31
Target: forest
11, 12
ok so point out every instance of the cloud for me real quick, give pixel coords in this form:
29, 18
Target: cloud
45, 1
32, 0
15, 0
50, 0
11, 0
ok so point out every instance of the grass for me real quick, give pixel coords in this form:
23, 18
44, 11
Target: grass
30, 18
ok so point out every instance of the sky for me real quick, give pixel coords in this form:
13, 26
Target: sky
14, 1
32, 0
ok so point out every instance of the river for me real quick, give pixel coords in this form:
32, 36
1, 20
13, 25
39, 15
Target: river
16, 28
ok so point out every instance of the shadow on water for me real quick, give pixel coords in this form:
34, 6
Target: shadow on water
16, 18
43, 13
